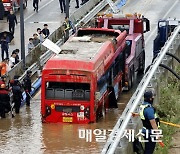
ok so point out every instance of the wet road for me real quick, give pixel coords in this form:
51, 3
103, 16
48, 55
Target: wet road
26, 134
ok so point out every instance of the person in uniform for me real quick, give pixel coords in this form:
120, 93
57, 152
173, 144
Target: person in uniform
149, 119
67, 26
17, 95
27, 87
5, 101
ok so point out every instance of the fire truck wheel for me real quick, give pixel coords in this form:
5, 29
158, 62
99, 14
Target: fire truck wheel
142, 64
131, 80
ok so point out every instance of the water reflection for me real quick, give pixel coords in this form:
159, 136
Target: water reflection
26, 134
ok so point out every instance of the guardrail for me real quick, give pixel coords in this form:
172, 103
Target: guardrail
149, 81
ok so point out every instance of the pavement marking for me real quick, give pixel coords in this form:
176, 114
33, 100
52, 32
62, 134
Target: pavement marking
152, 33
49, 22
38, 10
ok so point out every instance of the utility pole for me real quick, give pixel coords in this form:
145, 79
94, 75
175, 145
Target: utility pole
67, 8
67, 15
22, 32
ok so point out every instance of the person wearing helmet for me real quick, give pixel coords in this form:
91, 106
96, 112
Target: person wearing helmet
17, 95
149, 120
27, 87
5, 101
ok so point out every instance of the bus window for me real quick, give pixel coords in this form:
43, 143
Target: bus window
67, 91
102, 84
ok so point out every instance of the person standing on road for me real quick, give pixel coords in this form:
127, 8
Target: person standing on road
35, 41
5, 101
11, 19
30, 44
12, 60
77, 4
17, 56
17, 95
36, 5
45, 31
150, 121
1, 10
4, 46
62, 6
67, 26
27, 87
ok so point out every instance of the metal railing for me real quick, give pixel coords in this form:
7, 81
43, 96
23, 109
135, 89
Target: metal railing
114, 139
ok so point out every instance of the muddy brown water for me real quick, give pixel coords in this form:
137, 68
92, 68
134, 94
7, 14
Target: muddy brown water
26, 134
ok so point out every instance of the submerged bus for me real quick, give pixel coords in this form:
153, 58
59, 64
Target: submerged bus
79, 83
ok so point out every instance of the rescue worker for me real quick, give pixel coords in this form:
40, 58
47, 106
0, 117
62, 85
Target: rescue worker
11, 19
27, 87
4, 66
5, 101
17, 95
149, 120
67, 26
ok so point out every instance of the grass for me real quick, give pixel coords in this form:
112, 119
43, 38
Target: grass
168, 110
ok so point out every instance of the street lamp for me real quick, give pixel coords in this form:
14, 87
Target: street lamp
67, 15
22, 32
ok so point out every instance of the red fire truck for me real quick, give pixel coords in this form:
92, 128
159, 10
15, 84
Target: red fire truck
135, 27
13, 5
91, 71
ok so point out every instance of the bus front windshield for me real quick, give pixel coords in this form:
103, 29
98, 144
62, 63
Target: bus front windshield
67, 91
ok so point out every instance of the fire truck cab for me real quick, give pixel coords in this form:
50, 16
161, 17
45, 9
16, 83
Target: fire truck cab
13, 5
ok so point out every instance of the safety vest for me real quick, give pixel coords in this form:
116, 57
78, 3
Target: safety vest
146, 122
67, 25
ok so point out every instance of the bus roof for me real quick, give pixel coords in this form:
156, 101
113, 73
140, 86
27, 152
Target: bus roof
85, 50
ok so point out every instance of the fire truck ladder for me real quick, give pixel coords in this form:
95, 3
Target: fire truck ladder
116, 144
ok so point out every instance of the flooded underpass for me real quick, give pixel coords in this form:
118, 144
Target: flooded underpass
25, 133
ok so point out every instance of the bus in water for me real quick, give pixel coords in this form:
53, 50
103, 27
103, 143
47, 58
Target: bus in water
78, 83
